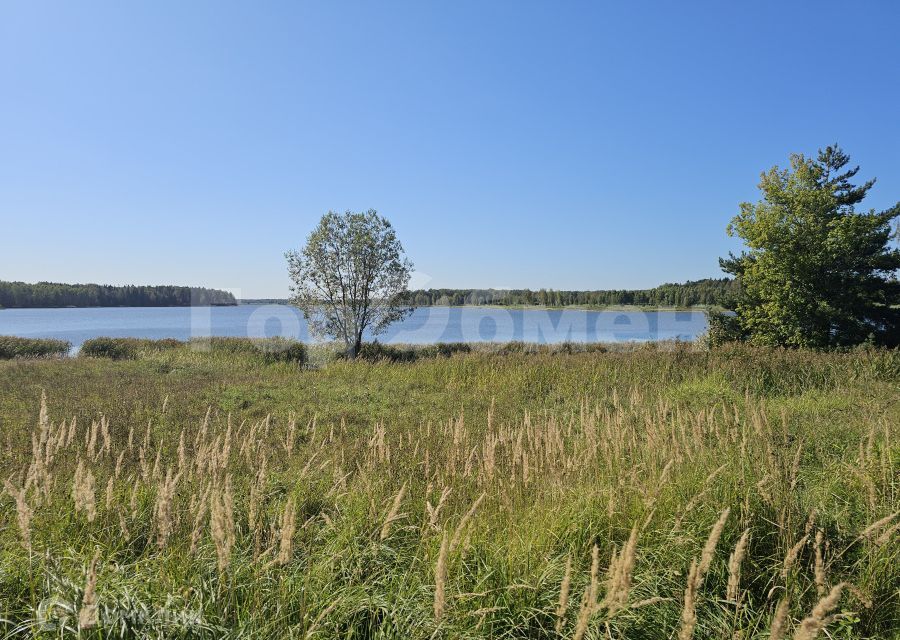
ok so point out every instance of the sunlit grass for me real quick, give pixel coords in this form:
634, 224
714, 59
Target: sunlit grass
445, 497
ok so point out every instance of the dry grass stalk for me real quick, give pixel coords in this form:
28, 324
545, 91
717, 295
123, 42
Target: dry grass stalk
83, 491
164, 497
779, 621
440, 579
791, 558
811, 625
197, 530
460, 528
288, 527
621, 568
109, 493
689, 610
795, 466
589, 600
88, 612
222, 525
73, 431
107, 439
564, 596
393, 514
819, 568
182, 453
118, 470
734, 567
709, 549
888, 533
157, 473
91, 446
435, 512
291, 436
123, 527
133, 501
696, 574
878, 524
649, 602
24, 513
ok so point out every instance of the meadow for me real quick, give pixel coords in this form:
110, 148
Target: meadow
486, 492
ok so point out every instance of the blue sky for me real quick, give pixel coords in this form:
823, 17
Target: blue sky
513, 144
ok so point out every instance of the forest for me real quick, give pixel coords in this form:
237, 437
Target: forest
706, 292
23, 295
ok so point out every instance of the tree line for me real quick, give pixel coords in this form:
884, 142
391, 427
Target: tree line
53, 294
707, 292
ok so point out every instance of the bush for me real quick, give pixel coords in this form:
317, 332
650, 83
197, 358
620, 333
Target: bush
376, 351
14, 347
112, 348
723, 329
449, 348
282, 350
126, 348
268, 349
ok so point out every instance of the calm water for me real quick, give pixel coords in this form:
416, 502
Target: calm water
425, 325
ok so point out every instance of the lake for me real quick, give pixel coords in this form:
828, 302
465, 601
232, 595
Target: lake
425, 325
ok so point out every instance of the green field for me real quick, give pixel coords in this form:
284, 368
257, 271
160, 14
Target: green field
492, 494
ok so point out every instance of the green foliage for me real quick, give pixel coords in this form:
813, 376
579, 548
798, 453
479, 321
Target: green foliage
723, 328
53, 294
351, 277
14, 347
817, 273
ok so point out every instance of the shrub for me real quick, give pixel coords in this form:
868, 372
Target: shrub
112, 348
268, 349
282, 350
14, 347
723, 328
449, 348
376, 351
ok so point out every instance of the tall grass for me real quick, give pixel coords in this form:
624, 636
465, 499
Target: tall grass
645, 494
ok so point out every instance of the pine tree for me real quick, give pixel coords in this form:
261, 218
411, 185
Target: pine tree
817, 273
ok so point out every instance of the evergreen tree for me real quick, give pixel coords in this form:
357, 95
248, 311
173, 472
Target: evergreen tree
817, 273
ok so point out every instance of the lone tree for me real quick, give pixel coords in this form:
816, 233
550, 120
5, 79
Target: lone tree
351, 276
817, 273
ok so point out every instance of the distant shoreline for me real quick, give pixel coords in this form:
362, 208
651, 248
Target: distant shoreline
522, 307
125, 306
510, 307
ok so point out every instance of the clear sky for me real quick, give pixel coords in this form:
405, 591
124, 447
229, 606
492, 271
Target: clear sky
513, 144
